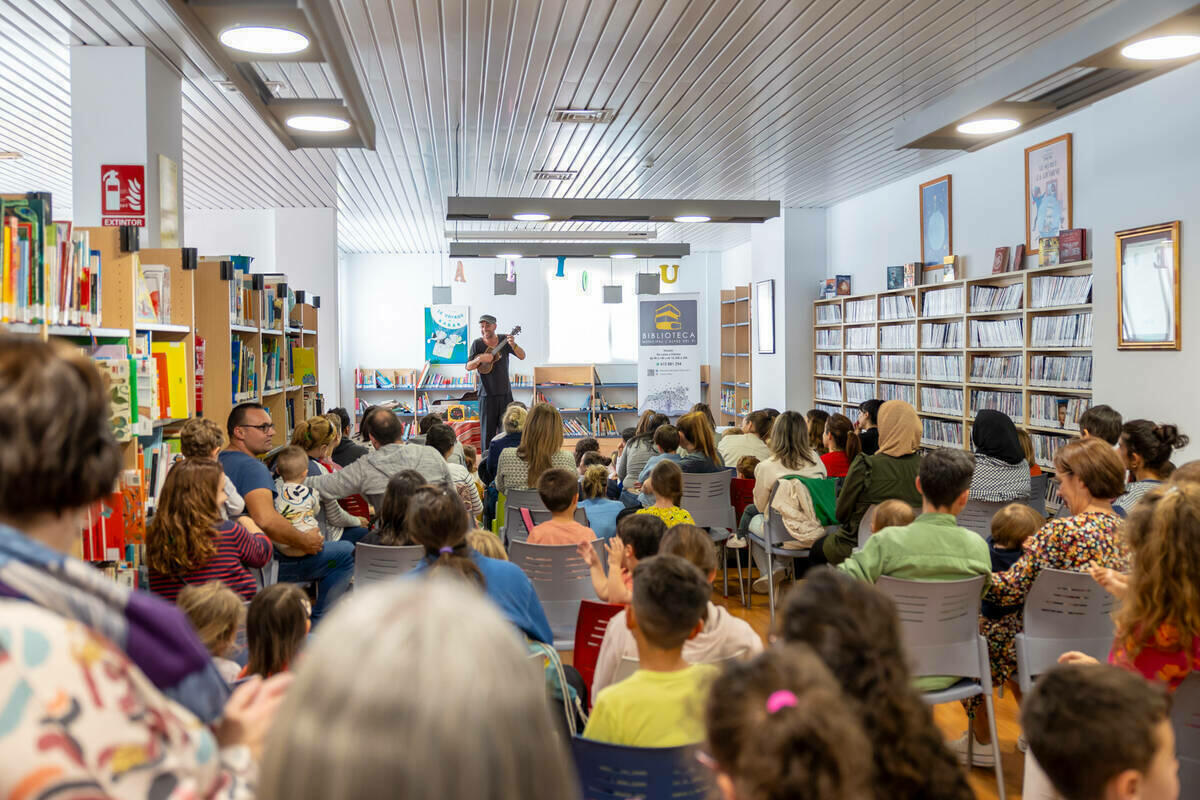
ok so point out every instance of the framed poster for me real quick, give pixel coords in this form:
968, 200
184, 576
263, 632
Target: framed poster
764, 312
937, 240
446, 334
1047, 190
1148, 288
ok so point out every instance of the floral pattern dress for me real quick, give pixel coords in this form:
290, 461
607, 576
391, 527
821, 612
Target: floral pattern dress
1072, 543
1162, 658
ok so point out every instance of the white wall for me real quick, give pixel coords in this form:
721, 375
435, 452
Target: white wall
1135, 163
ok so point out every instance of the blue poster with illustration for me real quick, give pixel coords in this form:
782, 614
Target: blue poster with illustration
446, 334
935, 220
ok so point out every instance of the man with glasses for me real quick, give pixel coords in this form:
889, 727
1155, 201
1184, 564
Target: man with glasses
330, 564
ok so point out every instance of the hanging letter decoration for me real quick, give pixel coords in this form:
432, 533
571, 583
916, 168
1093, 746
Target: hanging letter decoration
459, 275
674, 274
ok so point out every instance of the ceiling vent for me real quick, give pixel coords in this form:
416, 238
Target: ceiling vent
583, 116
554, 175
274, 87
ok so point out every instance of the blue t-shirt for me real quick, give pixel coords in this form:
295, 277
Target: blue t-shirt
246, 472
1002, 559
511, 590
602, 515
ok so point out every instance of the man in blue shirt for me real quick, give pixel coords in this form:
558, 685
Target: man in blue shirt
330, 564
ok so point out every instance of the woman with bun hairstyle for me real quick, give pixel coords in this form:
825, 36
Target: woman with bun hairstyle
1146, 449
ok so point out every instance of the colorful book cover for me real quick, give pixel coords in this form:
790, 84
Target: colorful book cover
912, 273
1000, 261
1048, 251
949, 269
830, 289
843, 284
304, 367
115, 374
163, 407
1072, 245
175, 357
895, 277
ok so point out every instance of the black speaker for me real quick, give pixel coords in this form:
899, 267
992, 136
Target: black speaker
226, 270
190, 259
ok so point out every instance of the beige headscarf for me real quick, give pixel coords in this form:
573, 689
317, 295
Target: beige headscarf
899, 429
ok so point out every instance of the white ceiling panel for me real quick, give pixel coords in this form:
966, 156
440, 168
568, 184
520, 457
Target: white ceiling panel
789, 100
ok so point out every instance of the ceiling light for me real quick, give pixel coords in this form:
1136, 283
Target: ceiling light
508, 256
531, 216
609, 209
1162, 48
314, 123
622, 255
693, 218
555, 249
265, 40
985, 127
8, 155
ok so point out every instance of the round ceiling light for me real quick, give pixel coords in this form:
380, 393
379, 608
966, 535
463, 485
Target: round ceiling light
508, 256
623, 255
316, 123
265, 40
693, 218
984, 127
1162, 48
531, 216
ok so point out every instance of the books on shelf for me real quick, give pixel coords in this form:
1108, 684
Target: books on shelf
950, 269
829, 313
829, 365
1005, 402
898, 367
244, 367
1053, 411
1072, 245
828, 409
153, 297
521, 381
860, 338
898, 391
48, 270
119, 377
1000, 261
829, 390
1065, 330
860, 310
942, 335
171, 364
997, 369
829, 339
1062, 372
897, 306
941, 433
843, 284
273, 371
573, 428
240, 293
942, 368
898, 337
859, 392
939, 400
997, 333
860, 366
1061, 290
997, 298
942, 302
1048, 251
1045, 446
895, 277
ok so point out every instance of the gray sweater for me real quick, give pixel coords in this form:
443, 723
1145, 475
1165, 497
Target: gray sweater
370, 474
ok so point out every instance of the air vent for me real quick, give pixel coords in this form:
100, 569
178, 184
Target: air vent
583, 116
274, 87
554, 175
1042, 88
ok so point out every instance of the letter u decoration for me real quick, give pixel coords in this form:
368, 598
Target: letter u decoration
674, 272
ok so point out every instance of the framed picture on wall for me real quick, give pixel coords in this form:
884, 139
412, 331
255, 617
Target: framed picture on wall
1047, 190
764, 312
937, 240
1148, 288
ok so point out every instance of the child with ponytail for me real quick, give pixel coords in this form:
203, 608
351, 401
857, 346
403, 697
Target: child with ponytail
601, 512
841, 445
1146, 449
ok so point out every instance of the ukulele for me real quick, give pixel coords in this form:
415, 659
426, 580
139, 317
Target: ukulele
484, 369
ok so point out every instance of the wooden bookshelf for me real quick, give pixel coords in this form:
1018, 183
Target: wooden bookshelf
734, 393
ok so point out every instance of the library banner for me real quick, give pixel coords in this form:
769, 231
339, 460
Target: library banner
668, 353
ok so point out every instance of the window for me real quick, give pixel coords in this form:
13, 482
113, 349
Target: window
582, 328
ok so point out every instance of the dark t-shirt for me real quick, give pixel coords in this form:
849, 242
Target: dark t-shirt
870, 441
495, 382
246, 472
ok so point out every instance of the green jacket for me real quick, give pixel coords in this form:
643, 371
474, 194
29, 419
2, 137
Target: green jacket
870, 480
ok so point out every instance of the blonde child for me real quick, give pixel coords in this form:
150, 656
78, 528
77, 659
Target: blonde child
638, 537
277, 623
892, 513
487, 544
666, 484
1011, 528
293, 500
216, 612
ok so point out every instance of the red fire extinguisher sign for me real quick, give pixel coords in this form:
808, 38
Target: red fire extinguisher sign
123, 195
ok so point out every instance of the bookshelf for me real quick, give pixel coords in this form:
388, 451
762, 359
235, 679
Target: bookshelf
735, 395
1019, 342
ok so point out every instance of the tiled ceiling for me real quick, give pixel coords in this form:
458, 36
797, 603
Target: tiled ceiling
792, 100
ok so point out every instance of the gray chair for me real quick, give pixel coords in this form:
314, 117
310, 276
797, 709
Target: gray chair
514, 500
977, 516
1063, 611
775, 535
540, 516
561, 579
939, 625
1185, 719
706, 497
1038, 485
866, 523
376, 563
268, 575
629, 665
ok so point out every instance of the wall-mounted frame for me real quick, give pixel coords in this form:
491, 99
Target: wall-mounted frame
1048, 192
764, 312
1148, 287
937, 220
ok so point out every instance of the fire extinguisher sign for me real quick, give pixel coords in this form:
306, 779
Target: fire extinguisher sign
123, 195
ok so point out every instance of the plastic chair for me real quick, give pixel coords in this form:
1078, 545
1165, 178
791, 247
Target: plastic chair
1063, 611
775, 535
375, 563
540, 516
1185, 719
514, 529
590, 626
866, 523
939, 625
1038, 485
706, 496
268, 575
977, 516
629, 665
562, 581
741, 494
615, 772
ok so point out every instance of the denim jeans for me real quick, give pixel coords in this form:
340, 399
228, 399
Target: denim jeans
353, 535
332, 569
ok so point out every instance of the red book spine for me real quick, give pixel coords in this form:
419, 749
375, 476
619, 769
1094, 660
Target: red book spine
1072, 245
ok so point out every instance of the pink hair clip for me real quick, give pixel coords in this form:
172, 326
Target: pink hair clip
780, 699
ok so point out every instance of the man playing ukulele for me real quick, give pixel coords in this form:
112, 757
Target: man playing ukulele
495, 391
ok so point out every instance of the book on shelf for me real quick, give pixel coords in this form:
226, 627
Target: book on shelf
119, 380
304, 369
240, 292
942, 302
895, 277
201, 349
997, 333
997, 369
171, 361
938, 400
1062, 330
153, 296
897, 391
243, 364
997, 298
898, 337
843, 284
1018, 261
1047, 251
941, 433
1005, 402
1052, 411
828, 288
1000, 261
277, 303
950, 269
1062, 372
1061, 290
912, 273
942, 368
897, 307
1072, 245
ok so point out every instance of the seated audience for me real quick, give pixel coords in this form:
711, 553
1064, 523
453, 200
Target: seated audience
201, 437
356, 505
511, 426
666, 443
722, 636
704, 410
752, 442
853, 628
584, 446
778, 727
601, 512
666, 485
890, 473
593, 458
339, 738
294, 501
657, 706
442, 439
639, 450
841, 445
1027, 449
1012, 526
277, 624
1098, 732
470, 459
638, 537
891, 514
317, 436
1146, 450
389, 523
540, 449
437, 520
696, 439
1090, 474
868, 426
817, 420
559, 490
746, 465
1001, 471
1101, 422
187, 542
346, 451
424, 424
487, 544
216, 613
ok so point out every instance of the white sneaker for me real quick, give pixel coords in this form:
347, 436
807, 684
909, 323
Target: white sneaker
1022, 745
982, 755
736, 542
760, 585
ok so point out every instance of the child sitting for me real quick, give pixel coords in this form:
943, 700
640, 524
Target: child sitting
722, 637
443, 439
779, 726
745, 467
666, 442
601, 511
277, 623
890, 514
666, 485
591, 459
296, 502
660, 704
1011, 528
390, 528
487, 544
637, 538
215, 611
1100, 732
559, 490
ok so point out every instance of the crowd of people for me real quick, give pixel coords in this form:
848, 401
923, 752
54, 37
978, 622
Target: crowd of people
222, 681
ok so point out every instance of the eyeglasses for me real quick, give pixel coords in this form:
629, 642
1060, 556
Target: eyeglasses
266, 426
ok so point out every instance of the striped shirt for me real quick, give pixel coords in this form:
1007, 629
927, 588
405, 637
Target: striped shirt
237, 549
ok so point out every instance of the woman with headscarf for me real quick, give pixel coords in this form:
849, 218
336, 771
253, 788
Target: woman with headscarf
1001, 471
891, 473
